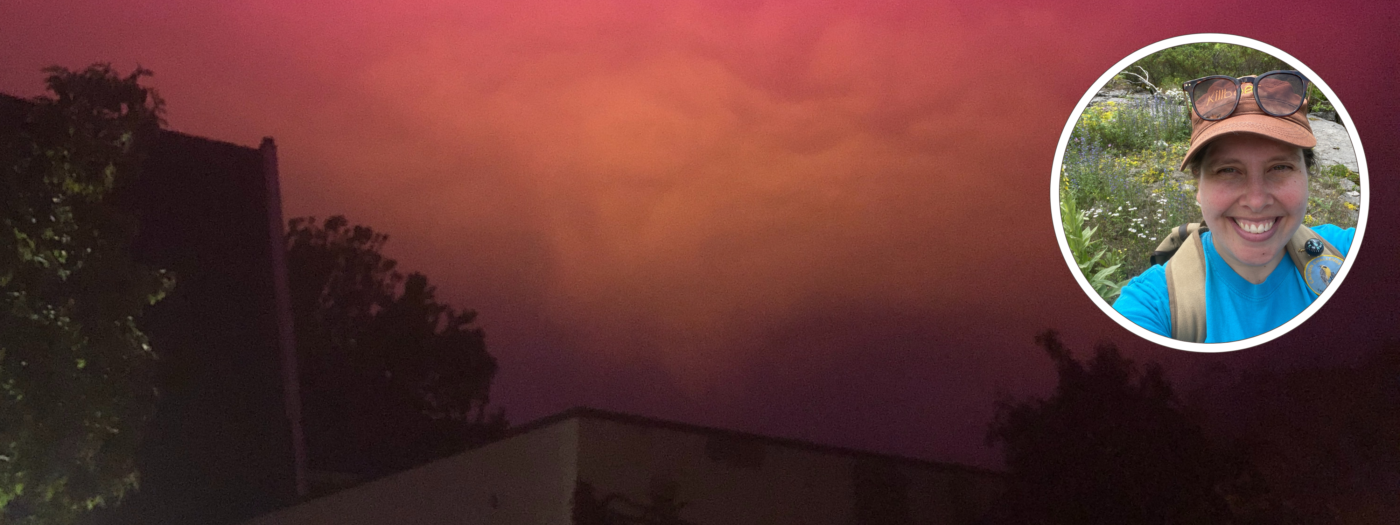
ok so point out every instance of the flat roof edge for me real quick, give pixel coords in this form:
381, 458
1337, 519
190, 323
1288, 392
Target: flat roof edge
581, 412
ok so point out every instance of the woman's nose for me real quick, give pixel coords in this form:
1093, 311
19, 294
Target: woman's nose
1257, 194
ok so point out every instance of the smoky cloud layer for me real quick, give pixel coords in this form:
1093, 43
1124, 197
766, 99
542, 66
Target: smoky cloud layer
826, 220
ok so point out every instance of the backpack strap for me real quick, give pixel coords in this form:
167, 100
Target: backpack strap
1186, 283
1173, 240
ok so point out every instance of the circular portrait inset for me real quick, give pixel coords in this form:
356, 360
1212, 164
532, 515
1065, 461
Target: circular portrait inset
1209, 193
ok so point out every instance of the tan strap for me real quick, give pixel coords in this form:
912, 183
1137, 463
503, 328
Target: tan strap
1171, 242
1186, 290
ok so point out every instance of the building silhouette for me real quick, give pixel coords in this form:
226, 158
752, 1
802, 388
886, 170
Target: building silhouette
590, 467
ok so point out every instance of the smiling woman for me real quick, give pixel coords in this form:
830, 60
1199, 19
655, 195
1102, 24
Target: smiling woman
1211, 214
1253, 266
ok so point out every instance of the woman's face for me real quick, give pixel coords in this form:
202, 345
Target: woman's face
1253, 193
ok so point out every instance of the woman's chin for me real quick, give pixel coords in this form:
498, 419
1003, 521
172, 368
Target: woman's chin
1257, 256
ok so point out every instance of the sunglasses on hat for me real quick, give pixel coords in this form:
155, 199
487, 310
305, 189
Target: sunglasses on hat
1278, 93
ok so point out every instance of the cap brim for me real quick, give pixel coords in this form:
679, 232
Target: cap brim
1275, 128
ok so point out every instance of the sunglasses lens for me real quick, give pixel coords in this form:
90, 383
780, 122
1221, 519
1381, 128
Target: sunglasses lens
1214, 98
1281, 93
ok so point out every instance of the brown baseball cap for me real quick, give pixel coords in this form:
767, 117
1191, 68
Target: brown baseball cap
1247, 118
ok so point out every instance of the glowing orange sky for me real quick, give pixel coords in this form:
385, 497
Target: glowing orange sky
809, 219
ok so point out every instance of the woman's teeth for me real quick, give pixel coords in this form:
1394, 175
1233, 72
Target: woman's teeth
1255, 227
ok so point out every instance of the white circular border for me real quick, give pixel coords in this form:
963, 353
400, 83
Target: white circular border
1107, 308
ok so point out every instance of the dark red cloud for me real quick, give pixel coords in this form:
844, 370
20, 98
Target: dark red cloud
822, 219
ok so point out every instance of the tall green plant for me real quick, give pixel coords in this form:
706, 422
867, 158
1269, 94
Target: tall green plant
1099, 265
76, 374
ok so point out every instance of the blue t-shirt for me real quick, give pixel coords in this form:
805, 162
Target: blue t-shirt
1235, 308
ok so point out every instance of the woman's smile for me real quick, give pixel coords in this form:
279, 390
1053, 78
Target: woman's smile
1257, 230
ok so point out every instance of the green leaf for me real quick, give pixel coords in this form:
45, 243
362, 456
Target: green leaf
1104, 273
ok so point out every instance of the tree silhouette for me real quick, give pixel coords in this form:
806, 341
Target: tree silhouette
391, 378
1324, 437
1112, 445
76, 374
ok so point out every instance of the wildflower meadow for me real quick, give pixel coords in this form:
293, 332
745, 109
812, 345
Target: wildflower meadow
1118, 173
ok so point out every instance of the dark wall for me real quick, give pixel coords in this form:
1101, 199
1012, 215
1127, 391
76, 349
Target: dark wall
220, 447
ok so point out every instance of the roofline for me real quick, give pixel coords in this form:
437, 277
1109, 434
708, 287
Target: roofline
581, 412
163, 130
251, 149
